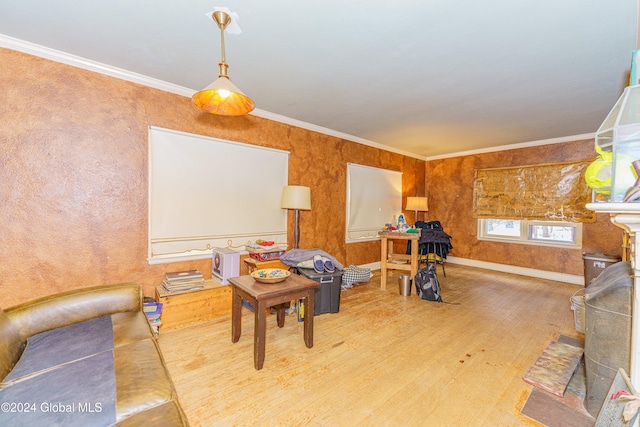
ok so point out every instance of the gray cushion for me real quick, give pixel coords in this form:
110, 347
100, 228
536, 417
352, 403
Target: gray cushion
63, 345
80, 393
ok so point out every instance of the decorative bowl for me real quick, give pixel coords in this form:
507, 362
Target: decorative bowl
270, 275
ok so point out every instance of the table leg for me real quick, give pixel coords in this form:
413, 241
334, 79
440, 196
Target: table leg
308, 319
260, 329
414, 257
280, 308
236, 315
383, 263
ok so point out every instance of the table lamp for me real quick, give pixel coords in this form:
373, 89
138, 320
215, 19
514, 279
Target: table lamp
296, 197
416, 204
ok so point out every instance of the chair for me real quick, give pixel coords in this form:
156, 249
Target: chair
434, 244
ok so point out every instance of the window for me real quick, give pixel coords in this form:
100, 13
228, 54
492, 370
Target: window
544, 233
505, 228
374, 196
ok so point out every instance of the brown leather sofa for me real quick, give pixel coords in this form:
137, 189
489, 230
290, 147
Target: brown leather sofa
84, 357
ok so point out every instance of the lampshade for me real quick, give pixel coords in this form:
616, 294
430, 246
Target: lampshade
223, 97
417, 204
296, 197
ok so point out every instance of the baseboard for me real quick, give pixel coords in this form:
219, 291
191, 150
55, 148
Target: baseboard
522, 271
371, 266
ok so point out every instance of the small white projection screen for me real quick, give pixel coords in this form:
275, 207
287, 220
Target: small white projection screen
374, 196
207, 193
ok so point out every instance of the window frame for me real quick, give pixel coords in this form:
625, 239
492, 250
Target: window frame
524, 237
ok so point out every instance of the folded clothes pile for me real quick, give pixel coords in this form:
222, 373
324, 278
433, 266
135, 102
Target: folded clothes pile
322, 262
316, 259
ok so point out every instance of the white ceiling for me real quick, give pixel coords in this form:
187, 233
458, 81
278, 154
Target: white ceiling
426, 77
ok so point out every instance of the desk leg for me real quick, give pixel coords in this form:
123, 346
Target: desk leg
236, 315
383, 263
308, 319
414, 258
260, 329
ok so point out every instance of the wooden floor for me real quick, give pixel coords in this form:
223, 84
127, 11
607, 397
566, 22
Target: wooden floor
383, 360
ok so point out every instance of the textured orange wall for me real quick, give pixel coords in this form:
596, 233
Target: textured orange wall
73, 177
450, 188
73, 182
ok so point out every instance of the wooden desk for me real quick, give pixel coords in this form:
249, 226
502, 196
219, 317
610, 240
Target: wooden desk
262, 296
387, 255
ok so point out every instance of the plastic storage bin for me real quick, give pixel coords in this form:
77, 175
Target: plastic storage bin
327, 295
618, 138
594, 264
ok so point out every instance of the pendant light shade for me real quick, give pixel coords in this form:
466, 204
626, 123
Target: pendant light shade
223, 97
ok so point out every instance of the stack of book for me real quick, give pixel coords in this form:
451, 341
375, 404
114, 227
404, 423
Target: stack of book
153, 310
183, 281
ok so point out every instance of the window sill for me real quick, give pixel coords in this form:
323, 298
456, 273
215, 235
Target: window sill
531, 242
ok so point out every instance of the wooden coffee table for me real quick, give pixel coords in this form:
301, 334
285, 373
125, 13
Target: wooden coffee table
262, 296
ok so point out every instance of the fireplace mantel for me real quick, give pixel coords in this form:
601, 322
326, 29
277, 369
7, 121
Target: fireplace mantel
627, 217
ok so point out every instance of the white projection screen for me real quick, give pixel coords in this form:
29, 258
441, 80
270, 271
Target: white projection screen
374, 196
207, 193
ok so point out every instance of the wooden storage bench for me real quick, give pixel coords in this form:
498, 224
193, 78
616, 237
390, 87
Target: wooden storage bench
179, 310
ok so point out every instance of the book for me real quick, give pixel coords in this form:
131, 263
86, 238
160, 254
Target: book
183, 281
183, 275
169, 287
152, 309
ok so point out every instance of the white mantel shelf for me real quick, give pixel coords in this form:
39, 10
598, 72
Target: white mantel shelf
614, 207
627, 217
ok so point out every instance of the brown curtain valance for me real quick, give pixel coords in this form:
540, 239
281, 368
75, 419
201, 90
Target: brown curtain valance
552, 192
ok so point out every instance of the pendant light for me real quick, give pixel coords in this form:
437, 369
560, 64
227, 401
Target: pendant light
223, 97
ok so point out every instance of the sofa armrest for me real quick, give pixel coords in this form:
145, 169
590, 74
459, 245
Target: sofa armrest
74, 306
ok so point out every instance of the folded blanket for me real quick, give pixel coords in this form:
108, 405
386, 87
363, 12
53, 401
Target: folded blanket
354, 274
294, 257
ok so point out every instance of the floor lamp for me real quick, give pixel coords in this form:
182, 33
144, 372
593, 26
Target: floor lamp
298, 198
416, 204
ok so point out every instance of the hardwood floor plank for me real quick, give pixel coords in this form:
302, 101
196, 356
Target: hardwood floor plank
384, 359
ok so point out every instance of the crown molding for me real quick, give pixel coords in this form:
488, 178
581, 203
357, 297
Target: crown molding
119, 73
87, 64
559, 140
331, 132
